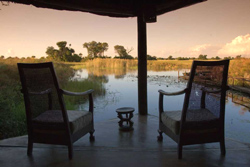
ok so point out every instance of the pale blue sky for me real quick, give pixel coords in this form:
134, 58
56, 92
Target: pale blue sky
215, 27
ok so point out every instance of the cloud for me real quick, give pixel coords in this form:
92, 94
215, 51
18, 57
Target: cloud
238, 46
10, 53
206, 49
200, 48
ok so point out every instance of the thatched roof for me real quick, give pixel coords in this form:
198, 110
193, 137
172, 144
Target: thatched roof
113, 8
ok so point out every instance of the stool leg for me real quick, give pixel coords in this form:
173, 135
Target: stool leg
127, 118
120, 123
131, 123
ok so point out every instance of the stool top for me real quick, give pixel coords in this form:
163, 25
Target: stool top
125, 110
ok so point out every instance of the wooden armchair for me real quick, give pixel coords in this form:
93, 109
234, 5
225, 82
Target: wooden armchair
201, 119
48, 120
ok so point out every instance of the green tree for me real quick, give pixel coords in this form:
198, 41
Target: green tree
170, 57
64, 53
238, 57
182, 58
122, 52
151, 57
61, 45
104, 47
230, 58
51, 52
216, 58
202, 57
95, 49
161, 58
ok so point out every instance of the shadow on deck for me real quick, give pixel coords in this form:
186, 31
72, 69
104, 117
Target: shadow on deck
113, 148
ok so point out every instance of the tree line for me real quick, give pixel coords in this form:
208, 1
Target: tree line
97, 50
94, 49
200, 57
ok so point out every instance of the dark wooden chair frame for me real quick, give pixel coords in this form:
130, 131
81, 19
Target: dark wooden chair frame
183, 139
68, 138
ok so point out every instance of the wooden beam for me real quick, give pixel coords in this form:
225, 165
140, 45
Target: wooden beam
142, 66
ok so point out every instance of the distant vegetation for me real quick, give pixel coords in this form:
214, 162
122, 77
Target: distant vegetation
64, 53
95, 50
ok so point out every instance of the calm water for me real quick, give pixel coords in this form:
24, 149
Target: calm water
121, 91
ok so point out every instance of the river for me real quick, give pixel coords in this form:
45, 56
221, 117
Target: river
121, 91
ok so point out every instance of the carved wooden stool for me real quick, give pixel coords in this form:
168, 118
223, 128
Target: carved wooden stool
125, 114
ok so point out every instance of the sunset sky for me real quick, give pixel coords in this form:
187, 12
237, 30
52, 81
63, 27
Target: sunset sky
215, 28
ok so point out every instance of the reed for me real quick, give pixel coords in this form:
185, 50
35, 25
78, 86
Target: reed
111, 63
12, 114
240, 68
75, 102
168, 65
154, 65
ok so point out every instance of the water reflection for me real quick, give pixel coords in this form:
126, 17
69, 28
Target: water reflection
95, 78
117, 72
121, 91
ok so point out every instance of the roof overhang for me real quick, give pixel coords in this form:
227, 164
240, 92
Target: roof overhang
113, 8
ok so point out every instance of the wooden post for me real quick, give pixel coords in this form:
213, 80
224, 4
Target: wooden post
142, 66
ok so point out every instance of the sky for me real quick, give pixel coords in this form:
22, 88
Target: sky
213, 28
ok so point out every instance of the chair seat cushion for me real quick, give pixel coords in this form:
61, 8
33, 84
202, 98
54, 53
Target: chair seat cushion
53, 120
199, 119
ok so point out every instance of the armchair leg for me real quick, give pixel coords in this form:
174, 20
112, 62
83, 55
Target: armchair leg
222, 147
92, 137
160, 137
179, 151
70, 151
30, 147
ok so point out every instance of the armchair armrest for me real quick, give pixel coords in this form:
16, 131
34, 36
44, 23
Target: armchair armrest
162, 93
76, 93
48, 92
172, 93
88, 92
39, 93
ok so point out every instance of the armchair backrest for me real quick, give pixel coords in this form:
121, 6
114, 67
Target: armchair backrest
211, 75
41, 90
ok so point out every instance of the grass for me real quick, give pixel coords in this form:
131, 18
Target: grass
12, 114
13, 122
12, 110
75, 102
